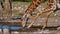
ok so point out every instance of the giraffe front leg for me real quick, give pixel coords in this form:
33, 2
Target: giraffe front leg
47, 16
25, 19
39, 13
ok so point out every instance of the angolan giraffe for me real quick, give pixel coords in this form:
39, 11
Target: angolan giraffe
50, 9
30, 9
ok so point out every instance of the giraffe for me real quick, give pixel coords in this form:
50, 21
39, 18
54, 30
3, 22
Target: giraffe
51, 6
30, 9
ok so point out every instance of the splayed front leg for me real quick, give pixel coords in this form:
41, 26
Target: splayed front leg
39, 13
25, 19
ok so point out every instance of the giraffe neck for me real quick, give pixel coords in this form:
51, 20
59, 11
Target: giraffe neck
33, 6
